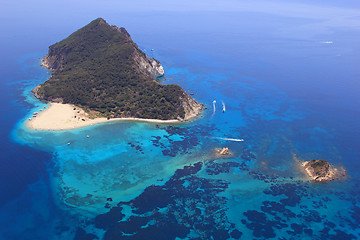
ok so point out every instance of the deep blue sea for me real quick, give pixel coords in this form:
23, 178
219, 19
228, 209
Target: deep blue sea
288, 73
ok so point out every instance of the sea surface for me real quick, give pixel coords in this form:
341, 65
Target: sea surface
288, 74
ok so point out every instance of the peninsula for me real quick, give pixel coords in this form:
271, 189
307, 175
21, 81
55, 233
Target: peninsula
99, 71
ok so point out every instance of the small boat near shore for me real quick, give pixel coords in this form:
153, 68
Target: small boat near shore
223, 104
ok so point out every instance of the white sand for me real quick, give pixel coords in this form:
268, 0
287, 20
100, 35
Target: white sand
62, 117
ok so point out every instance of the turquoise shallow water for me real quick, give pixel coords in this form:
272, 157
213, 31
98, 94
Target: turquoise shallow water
258, 192
132, 180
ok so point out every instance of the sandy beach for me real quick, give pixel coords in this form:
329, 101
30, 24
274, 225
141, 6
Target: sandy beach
67, 116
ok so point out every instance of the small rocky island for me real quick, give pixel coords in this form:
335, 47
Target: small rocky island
321, 171
223, 151
101, 70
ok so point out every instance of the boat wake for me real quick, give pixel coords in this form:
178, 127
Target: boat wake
229, 139
214, 102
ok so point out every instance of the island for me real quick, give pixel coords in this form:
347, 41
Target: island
321, 171
223, 151
100, 74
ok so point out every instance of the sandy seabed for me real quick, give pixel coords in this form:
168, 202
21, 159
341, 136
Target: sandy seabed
67, 116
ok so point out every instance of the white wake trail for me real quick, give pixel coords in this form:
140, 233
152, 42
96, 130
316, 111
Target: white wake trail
214, 102
230, 139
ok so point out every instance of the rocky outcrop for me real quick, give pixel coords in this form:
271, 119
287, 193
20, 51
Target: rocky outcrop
191, 107
54, 59
151, 67
223, 151
321, 171
36, 93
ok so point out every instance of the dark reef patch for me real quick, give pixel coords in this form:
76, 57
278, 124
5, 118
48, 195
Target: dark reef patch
247, 155
138, 148
189, 206
297, 229
82, 235
263, 177
355, 220
184, 204
311, 216
275, 208
162, 231
213, 168
189, 138
261, 225
106, 220
293, 192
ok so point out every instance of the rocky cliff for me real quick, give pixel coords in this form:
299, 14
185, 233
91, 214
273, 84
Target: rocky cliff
151, 67
100, 68
191, 107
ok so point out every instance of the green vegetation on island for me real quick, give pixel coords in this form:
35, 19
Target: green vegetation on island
101, 69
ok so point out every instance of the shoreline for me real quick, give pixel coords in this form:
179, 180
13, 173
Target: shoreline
60, 117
